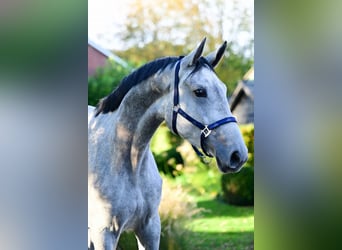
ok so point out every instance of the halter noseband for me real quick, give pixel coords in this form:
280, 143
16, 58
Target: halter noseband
205, 129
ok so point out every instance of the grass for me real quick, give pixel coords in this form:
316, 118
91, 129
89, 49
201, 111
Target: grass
220, 226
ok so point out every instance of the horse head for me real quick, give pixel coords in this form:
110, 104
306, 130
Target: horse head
200, 111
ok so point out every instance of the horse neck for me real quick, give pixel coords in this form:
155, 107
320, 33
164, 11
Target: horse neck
138, 117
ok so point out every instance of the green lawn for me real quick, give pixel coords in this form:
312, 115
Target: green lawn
220, 225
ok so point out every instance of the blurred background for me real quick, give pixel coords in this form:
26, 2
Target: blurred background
200, 208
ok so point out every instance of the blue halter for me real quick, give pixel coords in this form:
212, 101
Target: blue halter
205, 129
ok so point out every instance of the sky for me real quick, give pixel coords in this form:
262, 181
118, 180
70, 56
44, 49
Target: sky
106, 17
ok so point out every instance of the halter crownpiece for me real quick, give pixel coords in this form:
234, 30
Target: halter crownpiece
205, 129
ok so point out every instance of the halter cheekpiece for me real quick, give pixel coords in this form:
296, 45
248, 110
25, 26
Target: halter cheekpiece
205, 129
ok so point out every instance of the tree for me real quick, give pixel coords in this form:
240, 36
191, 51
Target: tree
187, 22
165, 20
156, 28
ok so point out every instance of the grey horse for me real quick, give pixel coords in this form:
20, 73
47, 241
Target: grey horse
124, 186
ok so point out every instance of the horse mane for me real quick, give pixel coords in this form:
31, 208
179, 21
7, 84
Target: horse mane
111, 102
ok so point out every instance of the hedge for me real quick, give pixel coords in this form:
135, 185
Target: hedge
238, 188
105, 80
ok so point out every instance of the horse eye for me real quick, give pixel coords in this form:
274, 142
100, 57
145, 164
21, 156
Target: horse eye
200, 92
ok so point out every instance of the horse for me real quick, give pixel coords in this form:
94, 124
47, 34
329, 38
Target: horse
124, 185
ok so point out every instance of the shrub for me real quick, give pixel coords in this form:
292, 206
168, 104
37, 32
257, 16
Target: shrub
238, 188
170, 162
248, 136
105, 80
165, 148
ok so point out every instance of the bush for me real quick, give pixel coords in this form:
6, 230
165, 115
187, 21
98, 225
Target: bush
170, 162
165, 148
248, 136
238, 188
105, 80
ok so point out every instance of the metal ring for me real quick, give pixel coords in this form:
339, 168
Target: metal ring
206, 131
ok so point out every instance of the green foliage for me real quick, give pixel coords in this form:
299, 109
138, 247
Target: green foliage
248, 136
151, 51
187, 22
127, 241
232, 68
201, 181
170, 162
238, 189
164, 146
104, 81
165, 20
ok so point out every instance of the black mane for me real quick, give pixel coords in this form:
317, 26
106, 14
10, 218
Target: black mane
111, 102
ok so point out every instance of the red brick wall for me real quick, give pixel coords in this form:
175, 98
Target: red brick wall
95, 59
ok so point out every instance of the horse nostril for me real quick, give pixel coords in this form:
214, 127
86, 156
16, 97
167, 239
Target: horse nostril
235, 159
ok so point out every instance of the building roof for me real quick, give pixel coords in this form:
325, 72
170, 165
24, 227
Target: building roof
249, 76
244, 87
107, 53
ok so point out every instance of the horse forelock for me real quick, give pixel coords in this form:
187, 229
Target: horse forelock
111, 102
202, 62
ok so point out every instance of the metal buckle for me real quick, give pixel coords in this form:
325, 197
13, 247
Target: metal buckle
176, 108
206, 131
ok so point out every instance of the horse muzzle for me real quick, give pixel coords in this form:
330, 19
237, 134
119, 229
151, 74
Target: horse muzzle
231, 162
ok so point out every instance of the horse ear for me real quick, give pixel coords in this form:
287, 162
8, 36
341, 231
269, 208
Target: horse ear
194, 55
215, 57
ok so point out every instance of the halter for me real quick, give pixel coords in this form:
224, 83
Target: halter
205, 129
